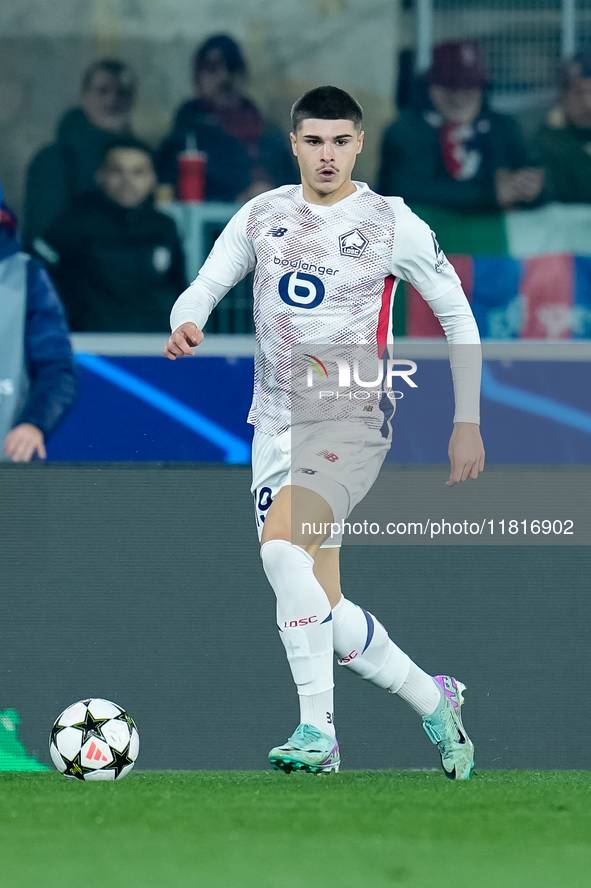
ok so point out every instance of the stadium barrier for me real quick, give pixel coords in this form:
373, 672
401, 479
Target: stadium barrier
143, 584
135, 405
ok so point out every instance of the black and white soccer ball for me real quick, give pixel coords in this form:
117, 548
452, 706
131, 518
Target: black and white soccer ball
94, 740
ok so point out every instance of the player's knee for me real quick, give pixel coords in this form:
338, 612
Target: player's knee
280, 557
273, 551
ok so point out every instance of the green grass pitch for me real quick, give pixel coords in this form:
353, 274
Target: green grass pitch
357, 829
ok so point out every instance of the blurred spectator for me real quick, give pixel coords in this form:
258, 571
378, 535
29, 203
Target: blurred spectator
454, 152
564, 142
38, 380
116, 261
67, 168
220, 116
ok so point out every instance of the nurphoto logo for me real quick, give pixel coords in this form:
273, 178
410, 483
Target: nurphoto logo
385, 371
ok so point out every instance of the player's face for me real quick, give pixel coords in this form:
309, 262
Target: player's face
326, 151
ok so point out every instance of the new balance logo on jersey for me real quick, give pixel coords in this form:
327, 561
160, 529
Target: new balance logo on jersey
307, 471
276, 232
352, 243
331, 457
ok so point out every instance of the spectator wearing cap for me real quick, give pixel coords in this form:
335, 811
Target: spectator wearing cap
116, 261
220, 108
454, 152
38, 380
62, 171
564, 142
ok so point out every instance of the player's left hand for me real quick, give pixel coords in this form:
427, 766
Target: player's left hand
466, 452
23, 442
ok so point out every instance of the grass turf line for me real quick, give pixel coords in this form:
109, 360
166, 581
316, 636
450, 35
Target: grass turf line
502, 829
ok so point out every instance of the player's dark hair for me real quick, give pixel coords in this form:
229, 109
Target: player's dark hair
124, 143
326, 103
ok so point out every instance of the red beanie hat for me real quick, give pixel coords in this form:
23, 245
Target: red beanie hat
458, 65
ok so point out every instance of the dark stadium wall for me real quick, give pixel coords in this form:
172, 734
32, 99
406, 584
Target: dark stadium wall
143, 584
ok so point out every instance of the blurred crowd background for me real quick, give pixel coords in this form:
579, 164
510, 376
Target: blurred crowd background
132, 130
114, 109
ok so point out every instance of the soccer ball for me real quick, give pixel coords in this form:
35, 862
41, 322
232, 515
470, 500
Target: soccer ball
94, 740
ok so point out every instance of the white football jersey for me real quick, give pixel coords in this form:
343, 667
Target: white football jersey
322, 275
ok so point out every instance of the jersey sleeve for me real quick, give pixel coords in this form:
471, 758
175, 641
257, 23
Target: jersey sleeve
417, 257
230, 260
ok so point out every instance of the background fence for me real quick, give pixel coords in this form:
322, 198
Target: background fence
524, 41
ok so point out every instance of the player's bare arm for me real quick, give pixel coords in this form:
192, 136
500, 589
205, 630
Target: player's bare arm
181, 342
466, 452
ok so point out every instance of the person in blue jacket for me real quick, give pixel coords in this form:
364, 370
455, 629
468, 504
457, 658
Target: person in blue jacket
38, 379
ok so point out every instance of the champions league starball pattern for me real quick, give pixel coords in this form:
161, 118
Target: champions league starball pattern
94, 740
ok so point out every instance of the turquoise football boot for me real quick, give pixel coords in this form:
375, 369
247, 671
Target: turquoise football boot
445, 729
308, 749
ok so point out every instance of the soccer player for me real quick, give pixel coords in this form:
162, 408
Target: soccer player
326, 256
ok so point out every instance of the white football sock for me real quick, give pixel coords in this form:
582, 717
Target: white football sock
317, 710
420, 691
304, 620
362, 645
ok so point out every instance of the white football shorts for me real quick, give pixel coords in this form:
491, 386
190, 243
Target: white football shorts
338, 460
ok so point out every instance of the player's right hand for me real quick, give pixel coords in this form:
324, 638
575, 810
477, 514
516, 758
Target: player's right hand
180, 342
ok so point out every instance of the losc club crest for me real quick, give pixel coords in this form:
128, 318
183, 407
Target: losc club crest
352, 243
